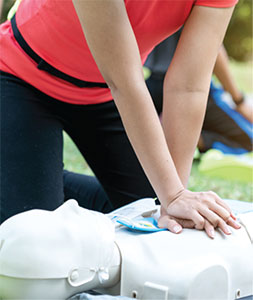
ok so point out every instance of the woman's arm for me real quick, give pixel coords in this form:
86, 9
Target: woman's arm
187, 82
112, 42
186, 89
221, 70
1, 8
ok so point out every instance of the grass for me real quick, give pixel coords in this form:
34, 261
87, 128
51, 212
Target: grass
72, 158
73, 161
243, 74
224, 188
198, 182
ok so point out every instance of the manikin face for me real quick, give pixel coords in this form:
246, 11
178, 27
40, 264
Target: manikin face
44, 244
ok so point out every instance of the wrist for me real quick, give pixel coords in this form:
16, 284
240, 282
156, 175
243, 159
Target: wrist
172, 197
239, 100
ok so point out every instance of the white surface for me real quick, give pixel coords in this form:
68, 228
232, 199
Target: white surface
72, 246
188, 265
53, 255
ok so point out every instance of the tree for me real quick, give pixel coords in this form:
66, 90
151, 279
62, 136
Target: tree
238, 40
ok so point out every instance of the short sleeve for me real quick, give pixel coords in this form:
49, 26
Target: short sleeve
216, 3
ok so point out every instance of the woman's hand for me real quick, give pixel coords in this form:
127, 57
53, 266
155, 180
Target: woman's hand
246, 110
200, 210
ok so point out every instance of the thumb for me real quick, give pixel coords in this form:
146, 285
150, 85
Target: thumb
166, 222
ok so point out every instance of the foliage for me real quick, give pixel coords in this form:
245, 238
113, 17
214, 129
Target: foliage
238, 40
7, 4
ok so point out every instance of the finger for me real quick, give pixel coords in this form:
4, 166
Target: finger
215, 220
229, 219
198, 220
221, 202
172, 225
185, 223
233, 216
220, 211
209, 229
223, 226
233, 224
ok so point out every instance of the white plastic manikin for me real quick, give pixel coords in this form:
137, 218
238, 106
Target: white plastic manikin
189, 265
52, 255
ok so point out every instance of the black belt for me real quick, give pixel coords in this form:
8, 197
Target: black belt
43, 65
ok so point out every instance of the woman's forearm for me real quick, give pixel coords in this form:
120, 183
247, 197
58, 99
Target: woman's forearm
187, 83
183, 114
146, 135
1, 8
117, 55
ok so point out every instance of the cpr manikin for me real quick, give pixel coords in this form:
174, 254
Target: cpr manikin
53, 255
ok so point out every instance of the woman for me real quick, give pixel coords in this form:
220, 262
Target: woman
63, 62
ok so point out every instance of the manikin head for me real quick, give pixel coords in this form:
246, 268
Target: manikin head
55, 254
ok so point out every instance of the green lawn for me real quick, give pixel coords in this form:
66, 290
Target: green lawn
198, 182
224, 188
73, 161
243, 74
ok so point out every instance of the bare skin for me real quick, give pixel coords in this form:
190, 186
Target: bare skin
223, 73
165, 153
1, 8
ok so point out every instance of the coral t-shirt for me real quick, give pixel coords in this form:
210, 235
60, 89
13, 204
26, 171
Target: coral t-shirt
52, 29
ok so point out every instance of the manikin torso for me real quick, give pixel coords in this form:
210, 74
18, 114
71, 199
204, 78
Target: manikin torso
54, 255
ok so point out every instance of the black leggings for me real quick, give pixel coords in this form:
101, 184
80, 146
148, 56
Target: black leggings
32, 150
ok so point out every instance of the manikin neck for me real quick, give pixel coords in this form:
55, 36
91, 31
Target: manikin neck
106, 276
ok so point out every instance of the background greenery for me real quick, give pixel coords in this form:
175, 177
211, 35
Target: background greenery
238, 40
73, 161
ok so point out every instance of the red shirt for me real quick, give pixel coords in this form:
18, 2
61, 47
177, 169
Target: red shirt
53, 31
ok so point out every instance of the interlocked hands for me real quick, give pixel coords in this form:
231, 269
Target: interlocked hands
200, 210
